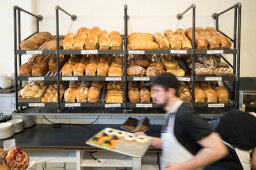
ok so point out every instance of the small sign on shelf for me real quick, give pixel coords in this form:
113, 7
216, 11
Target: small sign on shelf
36, 79
178, 52
216, 105
72, 104
9, 144
69, 78
143, 105
89, 52
215, 51
136, 52
113, 105
113, 78
183, 78
34, 52
213, 78
141, 78
36, 104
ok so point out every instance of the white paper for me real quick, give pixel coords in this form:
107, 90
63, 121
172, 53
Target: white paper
216, 105
136, 52
36, 104
9, 144
214, 51
89, 51
213, 78
113, 105
72, 104
183, 78
178, 52
36, 79
141, 78
34, 52
143, 105
113, 78
69, 78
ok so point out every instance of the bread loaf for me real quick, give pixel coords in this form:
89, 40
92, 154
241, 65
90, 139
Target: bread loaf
223, 72
40, 69
211, 96
28, 45
82, 94
114, 34
93, 94
154, 71
37, 39
144, 95
115, 71
79, 41
142, 61
203, 72
222, 94
70, 95
135, 71
102, 69
49, 45
134, 95
53, 63
79, 69
68, 41
34, 59
104, 41
25, 69
67, 70
199, 95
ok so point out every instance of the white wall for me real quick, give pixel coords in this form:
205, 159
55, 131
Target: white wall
145, 16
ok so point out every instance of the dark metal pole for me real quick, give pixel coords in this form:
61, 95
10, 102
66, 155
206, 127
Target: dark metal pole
39, 17
234, 55
57, 55
193, 57
73, 17
238, 53
15, 57
180, 15
125, 57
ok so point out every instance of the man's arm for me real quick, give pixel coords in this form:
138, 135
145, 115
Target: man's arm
156, 142
253, 160
213, 150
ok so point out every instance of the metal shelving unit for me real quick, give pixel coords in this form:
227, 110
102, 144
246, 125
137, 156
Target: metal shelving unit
60, 107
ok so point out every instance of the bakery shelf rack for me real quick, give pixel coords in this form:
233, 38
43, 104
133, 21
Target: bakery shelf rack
60, 107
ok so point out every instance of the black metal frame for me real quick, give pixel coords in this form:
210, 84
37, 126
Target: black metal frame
125, 51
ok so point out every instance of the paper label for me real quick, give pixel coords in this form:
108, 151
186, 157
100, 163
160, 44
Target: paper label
216, 105
34, 52
69, 78
9, 144
178, 52
183, 78
89, 51
113, 78
213, 78
214, 51
136, 52
141, 78
36, 104
36, 79
113, 105
72, 104
143, 105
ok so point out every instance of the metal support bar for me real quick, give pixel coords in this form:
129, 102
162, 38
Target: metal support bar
39, 17
180, 15
226, 35
234, 6
227, 62
125, 57
73, 17
15, 57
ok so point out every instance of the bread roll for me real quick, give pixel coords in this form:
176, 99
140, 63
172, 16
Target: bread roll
28, 45
68, 41
170, 63
70, 95
135, 71
168, 33
40, 69
67, 70
154, 71
134, 95
82, 94
25, 69
156, 64
79, 69
93, 94
213, 41
96, 29
180, 31
84, 30
144, 95
161, 40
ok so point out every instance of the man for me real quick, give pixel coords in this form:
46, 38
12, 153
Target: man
186, 140
238, 131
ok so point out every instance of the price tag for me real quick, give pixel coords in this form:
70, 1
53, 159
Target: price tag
213, 78
178, 52
113, 78
183, 78
141, 78
72, 104
69, 78
216, 105
36, 104
136, 52
9, 144
113, 105
34, 52
214, 51
89, 52
36, 79
144, 105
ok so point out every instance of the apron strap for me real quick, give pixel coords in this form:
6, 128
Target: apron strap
228, 144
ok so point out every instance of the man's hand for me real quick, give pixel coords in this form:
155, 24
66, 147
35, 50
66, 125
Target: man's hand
177, 166
156, 142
